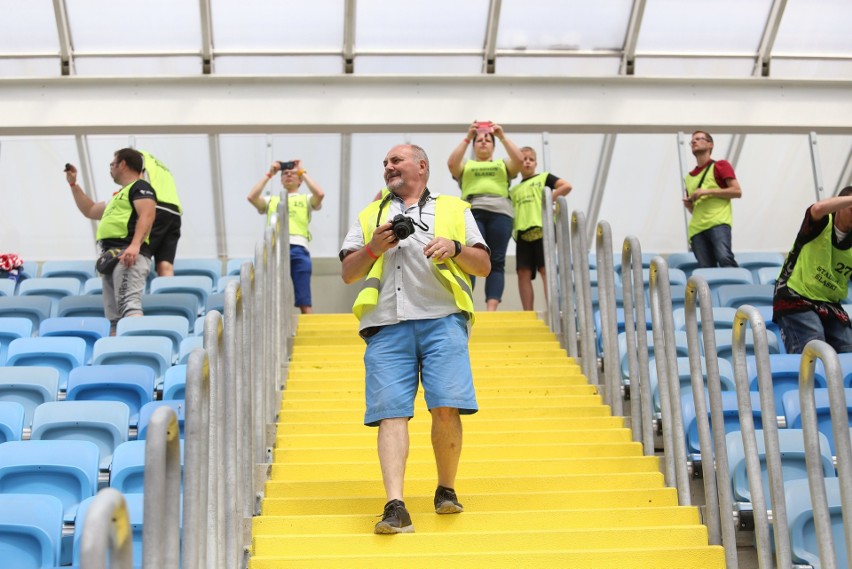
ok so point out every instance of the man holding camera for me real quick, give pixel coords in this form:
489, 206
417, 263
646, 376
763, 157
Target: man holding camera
415, 309
299, 207
124, 223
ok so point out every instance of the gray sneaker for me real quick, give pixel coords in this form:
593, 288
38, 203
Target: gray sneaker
395, 519
446, 501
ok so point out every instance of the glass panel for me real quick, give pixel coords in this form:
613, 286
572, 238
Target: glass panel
28, 27
557, 24
815, 27
137, 66
693, 67
276, 25
703, 26
559, 66
283, 65
418, 65
157, 26
421, 25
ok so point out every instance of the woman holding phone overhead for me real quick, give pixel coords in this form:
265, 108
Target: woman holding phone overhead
484, 182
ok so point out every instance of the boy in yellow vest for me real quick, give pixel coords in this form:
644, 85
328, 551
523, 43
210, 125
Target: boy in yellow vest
415, 308
815, 278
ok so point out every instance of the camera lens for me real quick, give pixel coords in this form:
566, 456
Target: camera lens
402, 226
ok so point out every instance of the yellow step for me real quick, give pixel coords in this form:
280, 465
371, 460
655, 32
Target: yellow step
301, 391
483, 399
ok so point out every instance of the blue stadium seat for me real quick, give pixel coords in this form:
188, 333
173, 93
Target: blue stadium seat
725, 347
216, 301
94, 285
81, 306
7, 287
792, 445
89, 328
800, 520
646, 260
785, 375
104, 423
720, 276
767, 275
765, 312
174, 328
846, 368
11, 421
734, 295
36, 308
729, 412
128, 467
174, 384
80, 270
174, 303
135, 511
61, 353
200, 287
198, 329
152, 351
754, 261
233, 266
65, 469
12, 328
223, 281
723, 318
130, 384
179, 405
187, 346
678, 294
29, 387
680, 347
619, 323
686, 262
54, 288
593, 278
726, 378
30, 531
793, 411
199, 267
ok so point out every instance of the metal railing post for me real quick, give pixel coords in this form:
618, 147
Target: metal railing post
231, 388
107, 533
259, 359
161, 524
747, 313
580, 254
250, 412
196, 480
551, 263
609, 326
563, 249
216, 500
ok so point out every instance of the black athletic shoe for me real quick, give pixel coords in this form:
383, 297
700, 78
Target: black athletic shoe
395, 519
446, 501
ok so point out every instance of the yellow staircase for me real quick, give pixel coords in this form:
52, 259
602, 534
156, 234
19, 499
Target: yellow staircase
548, 477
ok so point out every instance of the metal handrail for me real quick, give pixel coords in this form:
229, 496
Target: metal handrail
107, 533
213, 344
568, 314
250, 427
609, 325
842, 445
580, 255
161, 523
233, 388
197, 466
747, 313
635, 328
551, 265
717, 483
665, 357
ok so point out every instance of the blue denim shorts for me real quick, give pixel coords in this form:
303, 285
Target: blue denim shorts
401, 356
300, 272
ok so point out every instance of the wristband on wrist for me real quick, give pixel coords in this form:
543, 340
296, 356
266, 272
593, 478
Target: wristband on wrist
458, 248
301, 172
72, 184
372, 255
466, 140
268, 175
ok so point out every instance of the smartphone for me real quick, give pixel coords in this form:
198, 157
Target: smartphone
485, 126
287, 165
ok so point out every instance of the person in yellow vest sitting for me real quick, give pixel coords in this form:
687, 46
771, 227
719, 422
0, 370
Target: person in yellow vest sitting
166, 231
415, 252
484, 182
527, 229
814, 279
124, 223
299, 207
710, 187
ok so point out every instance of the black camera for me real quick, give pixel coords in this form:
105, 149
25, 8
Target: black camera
402, 226
287, 165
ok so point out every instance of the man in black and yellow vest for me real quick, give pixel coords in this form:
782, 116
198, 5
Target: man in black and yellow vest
123, 227
299, 209
710, 187
815, 278
166, 231
415, 252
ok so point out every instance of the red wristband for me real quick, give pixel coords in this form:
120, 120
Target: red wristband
466, 140
72, 184
372, 255
268, 175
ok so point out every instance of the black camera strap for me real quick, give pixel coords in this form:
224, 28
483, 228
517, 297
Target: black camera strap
424, 197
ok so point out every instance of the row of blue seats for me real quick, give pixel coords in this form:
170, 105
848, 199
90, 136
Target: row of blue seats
82, 270
715, 277
686, 262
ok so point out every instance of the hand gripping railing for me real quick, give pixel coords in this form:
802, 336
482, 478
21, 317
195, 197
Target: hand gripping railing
635, 328
718, 494
214, 345
665, 357
580, 255
566, 283
551, 263
843, 447
747, 313
197, 450
609, 325
161, 523
107, 533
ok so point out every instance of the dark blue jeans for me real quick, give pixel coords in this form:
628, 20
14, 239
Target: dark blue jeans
799, 328
496, 229
712, 247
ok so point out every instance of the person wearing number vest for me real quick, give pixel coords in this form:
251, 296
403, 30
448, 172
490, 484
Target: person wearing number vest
415, 310
710, 187
124, 223
815, 278
166, 231
527, 230
299, 208
484, 182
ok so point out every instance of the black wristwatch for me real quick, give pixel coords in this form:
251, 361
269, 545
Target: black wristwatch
458, 248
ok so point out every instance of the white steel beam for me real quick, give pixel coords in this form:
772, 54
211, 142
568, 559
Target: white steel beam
66, 46
490, 46
371, 104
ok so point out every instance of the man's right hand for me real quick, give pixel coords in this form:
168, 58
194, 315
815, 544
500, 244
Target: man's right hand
71, 174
